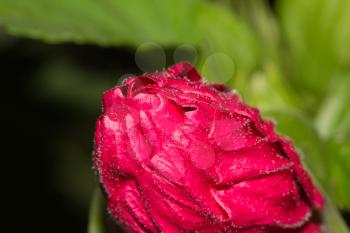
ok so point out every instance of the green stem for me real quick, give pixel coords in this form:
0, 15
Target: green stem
96, 223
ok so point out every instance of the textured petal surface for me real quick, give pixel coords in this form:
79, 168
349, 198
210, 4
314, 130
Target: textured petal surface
176, 154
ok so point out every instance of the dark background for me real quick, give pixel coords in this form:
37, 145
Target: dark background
47, 138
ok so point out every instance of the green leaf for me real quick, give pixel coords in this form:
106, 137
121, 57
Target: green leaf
111, 22
318, 35
97, 208
269, 90
259, 16
226, 33
333, 118
207, 25
333, 125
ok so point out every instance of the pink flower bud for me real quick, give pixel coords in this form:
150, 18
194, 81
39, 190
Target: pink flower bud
177, 154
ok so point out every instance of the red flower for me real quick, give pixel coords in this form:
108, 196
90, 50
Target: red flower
177, 154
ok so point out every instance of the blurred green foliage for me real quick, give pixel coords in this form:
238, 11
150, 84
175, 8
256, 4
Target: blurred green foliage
291, 60
106, 23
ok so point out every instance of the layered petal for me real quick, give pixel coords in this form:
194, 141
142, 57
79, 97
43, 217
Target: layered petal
177, 154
